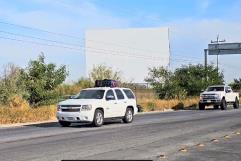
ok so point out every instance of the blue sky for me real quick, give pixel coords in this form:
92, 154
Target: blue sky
192, 23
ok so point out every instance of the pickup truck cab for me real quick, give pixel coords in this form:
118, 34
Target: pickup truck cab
219, 95
94, 105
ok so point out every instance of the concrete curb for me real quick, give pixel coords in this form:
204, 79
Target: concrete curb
27, 123
55, 120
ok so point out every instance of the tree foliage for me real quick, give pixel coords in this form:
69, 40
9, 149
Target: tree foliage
236, 85
41, 80
194, 78
10, 84
185, 81
104, 72
164, 83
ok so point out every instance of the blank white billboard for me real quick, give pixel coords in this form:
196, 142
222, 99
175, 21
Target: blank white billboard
131, 51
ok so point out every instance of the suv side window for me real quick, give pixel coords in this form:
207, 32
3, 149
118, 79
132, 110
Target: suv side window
119, 94
110, 93
129, 94
226, 89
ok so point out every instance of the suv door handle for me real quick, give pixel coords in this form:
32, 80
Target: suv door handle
125, 102
115, 103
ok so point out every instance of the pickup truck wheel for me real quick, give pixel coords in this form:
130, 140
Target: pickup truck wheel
64, 123
236, 103
98, 118
128, 118
223, 104
201, 106
215, 107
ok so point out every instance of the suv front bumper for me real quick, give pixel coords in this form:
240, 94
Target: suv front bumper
210, 102
83, 116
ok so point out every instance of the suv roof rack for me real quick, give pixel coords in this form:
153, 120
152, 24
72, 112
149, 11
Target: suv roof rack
106, 83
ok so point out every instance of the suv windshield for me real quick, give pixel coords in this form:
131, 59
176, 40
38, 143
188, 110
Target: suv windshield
90, 94
215, 89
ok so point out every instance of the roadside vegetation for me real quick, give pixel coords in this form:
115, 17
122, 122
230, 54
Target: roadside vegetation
30, 94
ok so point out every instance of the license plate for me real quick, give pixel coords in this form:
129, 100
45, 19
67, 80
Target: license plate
208, 101
70, 118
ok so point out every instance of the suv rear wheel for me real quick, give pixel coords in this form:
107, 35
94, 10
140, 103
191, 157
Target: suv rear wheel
128, 118
236, 103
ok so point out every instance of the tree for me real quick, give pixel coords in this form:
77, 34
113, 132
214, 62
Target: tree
11, 84
188, 80
236, 85
194, 78
164, 83
100, 72
41, 80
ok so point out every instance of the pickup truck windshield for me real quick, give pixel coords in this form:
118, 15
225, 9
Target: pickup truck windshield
215, 89
90, 94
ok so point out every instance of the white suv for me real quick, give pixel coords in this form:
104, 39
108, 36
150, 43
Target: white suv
93, 105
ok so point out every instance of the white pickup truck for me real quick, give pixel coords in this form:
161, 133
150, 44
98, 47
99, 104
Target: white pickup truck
93, 105
219, 95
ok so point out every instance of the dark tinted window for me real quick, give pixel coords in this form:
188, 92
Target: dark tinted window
119, 94
129, 94
90, 94
215, 89
109, 94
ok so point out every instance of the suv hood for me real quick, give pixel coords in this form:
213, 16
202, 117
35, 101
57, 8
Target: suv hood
79, 101
212, 92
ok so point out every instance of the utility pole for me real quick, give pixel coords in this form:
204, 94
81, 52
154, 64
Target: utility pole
217, 42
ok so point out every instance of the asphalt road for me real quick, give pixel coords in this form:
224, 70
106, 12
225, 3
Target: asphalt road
150, 136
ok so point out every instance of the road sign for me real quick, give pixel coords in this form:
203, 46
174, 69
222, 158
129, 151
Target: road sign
224, 48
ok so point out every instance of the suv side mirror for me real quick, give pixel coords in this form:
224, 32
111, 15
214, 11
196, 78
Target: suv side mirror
110, 97
202, 90
229, 91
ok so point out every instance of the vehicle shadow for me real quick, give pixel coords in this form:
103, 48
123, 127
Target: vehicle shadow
73, 125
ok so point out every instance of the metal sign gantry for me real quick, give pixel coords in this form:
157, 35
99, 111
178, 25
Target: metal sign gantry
221, 49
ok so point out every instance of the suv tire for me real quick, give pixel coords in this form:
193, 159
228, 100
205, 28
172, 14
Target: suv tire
223, 104
128, 118
236, 103
64, 123
201, 106
215, 107
98, 118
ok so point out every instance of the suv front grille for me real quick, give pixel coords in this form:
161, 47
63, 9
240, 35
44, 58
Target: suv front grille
71, 110
70, 105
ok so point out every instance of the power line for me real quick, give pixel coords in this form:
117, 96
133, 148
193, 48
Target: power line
33, 37
70, 44
42, 30
67, 35
71, 36
78, 49
94, 50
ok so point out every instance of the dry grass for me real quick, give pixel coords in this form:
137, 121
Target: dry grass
21, 115
161, 105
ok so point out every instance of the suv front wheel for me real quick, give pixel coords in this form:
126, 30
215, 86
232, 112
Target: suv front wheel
98, 118
223, 104
128, 118
64, 123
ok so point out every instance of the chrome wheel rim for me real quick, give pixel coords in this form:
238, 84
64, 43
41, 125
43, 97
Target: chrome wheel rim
99, 118
129, 115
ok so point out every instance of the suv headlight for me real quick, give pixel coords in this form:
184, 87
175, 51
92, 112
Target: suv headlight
201, 97
86, 107
217, 96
